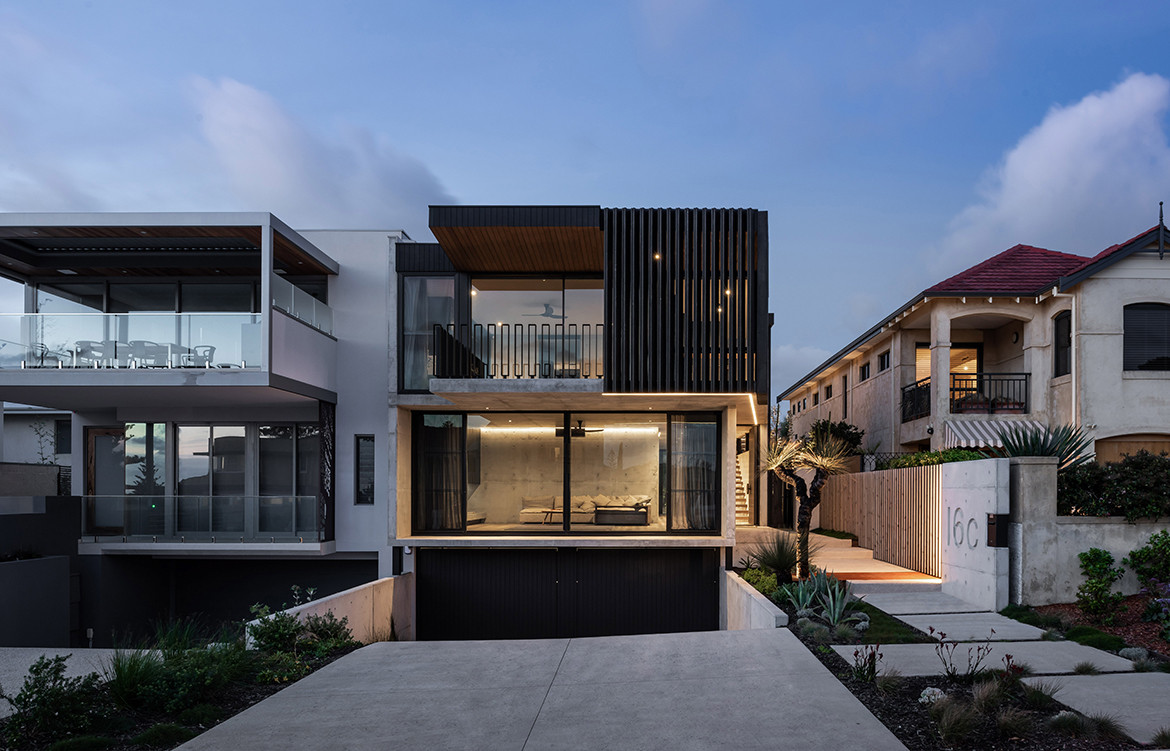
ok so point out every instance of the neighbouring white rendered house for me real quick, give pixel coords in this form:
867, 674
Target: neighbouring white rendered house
552, 416
1029, 335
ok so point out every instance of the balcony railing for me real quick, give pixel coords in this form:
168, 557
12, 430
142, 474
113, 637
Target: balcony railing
519, 350
986, 393
201, 518
916, 400
301, 305
130, 340
990, 393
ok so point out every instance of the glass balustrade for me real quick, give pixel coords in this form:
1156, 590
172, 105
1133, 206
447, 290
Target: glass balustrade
203, 518
301, 305
130, 340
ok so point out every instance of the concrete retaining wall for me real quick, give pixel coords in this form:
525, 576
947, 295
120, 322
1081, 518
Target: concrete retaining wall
369, 608
28, 479
746, 608
1044, 546
37, 613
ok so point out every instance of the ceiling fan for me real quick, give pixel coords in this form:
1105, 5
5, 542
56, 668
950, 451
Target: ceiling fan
578, 431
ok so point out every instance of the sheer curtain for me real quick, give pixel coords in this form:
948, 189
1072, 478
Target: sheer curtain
694, 472
439, 474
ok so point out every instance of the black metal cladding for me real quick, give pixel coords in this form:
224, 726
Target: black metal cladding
686, 300
422, 257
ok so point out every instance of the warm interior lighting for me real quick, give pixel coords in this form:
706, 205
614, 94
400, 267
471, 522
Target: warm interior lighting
474, 292
657, 256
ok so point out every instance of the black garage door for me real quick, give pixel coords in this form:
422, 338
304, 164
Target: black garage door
470, 593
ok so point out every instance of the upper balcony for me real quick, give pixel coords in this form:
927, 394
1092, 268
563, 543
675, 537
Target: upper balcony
122, 309
971, 393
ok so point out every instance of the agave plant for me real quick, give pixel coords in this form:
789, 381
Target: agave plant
835, 604
1066, 442
800, 595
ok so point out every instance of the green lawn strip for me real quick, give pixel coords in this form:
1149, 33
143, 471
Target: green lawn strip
885, 629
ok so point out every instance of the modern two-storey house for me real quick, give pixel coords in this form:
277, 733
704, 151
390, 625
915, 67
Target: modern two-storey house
580, 399
552, 416
1029, 335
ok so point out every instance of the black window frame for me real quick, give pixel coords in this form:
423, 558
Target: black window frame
863, 372
1146, 337
63, 436
360, 440
884, 361
828, 391
1062, 344
567, 530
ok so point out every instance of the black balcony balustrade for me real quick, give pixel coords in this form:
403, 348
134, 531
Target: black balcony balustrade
519, 350
990, 393
916, 400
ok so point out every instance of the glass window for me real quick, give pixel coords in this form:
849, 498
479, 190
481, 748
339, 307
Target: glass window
216, 298
71, 298
63, 437
127, 298
363, 469
426, 302
277, 460
616, 463
829, 391
438, 472
1062, 344
515, 472
694, 491
884, 361
863, 372
1147, 337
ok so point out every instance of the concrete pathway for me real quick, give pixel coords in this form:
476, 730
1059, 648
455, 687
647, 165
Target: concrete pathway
974, 626
15, 662
1139, 701
1044, 657
678, 691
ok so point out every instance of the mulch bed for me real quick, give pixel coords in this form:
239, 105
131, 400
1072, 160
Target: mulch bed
1128, 623
899, 710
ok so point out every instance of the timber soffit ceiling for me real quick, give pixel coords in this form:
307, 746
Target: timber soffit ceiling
520, 239
160, 251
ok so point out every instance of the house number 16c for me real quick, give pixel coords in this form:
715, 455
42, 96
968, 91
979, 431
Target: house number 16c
957, 532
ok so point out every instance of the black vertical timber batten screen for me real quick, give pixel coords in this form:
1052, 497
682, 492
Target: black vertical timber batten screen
695, 319
327, 421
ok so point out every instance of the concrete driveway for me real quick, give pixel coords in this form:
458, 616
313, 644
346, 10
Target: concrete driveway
717, 690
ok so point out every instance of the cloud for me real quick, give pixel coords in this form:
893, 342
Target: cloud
1089, 175
74, 137
790, 361
274, 163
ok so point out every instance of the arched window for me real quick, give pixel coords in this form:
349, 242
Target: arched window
1147, 336
1062, 344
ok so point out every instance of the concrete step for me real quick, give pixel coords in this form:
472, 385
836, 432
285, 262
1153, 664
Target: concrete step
974, 626
886, 587
920, 603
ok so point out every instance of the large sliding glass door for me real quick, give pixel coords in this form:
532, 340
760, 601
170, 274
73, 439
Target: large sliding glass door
210, 481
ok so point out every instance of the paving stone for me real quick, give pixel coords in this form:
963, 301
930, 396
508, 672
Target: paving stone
908, 603
974, 626
1139, 701
1046, 657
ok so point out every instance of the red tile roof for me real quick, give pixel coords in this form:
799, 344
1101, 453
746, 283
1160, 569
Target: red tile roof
1021, 270
1112, 249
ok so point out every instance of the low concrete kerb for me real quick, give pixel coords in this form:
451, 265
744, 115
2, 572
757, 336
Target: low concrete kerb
747, 608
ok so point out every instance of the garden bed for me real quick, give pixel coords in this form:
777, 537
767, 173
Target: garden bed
1128, 623
894, 700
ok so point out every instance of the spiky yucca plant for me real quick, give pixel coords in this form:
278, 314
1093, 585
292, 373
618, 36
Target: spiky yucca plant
824, 455
1066, 442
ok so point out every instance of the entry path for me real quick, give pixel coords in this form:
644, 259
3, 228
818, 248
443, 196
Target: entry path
677, 691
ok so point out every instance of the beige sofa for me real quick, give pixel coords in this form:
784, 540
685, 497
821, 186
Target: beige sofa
548, 510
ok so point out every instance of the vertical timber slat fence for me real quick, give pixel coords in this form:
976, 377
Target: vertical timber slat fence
894, 512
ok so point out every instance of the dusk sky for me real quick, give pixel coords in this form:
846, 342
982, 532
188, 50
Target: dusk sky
892, 144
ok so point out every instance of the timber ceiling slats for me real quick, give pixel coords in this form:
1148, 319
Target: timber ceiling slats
671, 323
520, 239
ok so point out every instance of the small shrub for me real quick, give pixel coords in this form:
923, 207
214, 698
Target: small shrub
282, 667
763, 581
1133, 487
1161, 738
927, 458
806, 613
931, 695
844, 633
1095, 597
197, 675
275, 632
865, 663
955, 720
817, 633
82, 743
778, 555
165, 734
1091, 637
986, 696
888, 681
802, 623
1052, 635
201, 715
1145, 666
1012, 722
173, 637
1039, 694
49, 705
1071, 724
132, 677
1086, 668
1151, 562
328, 628
1106, 726
1134, 653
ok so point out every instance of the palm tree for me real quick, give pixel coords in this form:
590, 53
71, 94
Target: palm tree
821, 453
